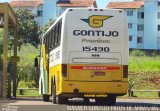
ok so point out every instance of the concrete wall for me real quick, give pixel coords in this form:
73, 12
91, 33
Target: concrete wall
49, 10
40, 18
150, 35
150, 24
132, 31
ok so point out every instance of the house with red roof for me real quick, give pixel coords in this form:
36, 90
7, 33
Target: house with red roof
35, 6
62, 5
50, 9
143, 23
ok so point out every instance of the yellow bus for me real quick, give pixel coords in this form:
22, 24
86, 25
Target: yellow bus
84, 54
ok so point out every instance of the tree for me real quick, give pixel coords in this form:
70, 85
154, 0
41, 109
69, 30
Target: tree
26, 63
27, 27
46, 27
1, 47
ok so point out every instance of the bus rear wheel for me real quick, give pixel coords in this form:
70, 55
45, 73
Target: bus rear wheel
100, 101
111, 100
86, 101
57, 99
45, 97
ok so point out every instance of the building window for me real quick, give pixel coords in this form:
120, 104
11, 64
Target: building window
141, 15
130, 38
130, 13
140, 27
158, 14
158, 3
39, 13
139, 40
129, 25
158, 27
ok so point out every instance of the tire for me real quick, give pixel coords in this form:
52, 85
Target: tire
46, 98
57, 99
101, 101
86, 101
111, 100
61, 100
54, 94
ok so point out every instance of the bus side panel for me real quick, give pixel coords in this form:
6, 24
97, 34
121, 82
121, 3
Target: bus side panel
125, 50
43, 83
55, 76
84, 87
55, 69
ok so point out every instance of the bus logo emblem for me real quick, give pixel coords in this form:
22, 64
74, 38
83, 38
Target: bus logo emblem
96, 21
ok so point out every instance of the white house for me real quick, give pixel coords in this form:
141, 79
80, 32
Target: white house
143, 23
50, 9
35, 6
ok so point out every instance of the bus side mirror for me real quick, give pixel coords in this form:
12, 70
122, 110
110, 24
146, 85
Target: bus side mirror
36, 62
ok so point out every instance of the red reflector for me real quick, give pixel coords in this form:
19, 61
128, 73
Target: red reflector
64, 70
101, 9
96, 67
125, 71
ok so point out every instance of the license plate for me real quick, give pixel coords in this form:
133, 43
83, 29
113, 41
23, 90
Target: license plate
99, 73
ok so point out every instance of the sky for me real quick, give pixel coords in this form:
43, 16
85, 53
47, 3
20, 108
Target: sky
100, 3
4, 0
103, 3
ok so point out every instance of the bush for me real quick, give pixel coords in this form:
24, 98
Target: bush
137, 53
26, 63
1, 47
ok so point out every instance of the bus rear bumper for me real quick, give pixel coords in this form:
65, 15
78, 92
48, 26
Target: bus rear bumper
80, 89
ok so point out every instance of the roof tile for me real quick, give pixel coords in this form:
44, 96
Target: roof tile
125, 5
26, 3
75, 3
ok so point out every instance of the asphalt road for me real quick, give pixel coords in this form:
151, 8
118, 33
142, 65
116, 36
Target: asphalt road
36, 104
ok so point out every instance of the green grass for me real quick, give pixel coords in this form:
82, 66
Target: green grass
143, 70
143, 95
146, 94
144, 63
28, 93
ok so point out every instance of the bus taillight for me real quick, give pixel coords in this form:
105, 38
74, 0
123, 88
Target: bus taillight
64, 70
125, 71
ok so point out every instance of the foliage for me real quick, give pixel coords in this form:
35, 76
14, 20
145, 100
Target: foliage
1, 47
29, 93
25, 65
144, 63
137, 53
27, 27
46, 27
131, 83
145, 71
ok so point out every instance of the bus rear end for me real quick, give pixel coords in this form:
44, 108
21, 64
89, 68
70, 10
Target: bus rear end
96, 54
